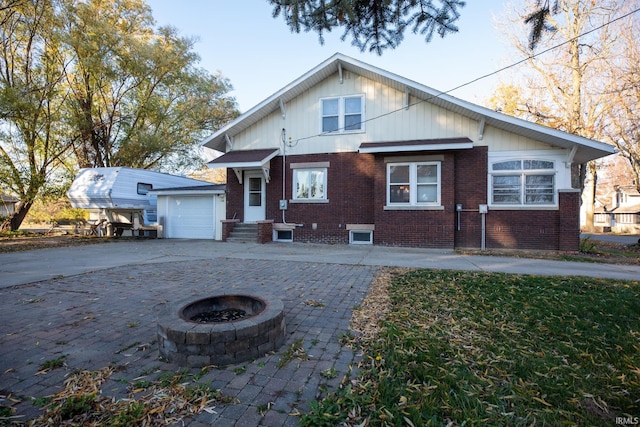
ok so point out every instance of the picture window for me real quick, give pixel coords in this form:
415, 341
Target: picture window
523, 182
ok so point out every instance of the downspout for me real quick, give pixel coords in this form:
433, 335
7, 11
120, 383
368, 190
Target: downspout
284, 173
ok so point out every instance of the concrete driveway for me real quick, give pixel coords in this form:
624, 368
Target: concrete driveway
33, 266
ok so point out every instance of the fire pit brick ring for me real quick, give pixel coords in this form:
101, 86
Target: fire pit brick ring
220, 330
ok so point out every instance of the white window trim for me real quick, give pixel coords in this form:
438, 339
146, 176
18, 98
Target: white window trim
275, 235
323, 199
341, 114
358, 242
413, 187
523, 173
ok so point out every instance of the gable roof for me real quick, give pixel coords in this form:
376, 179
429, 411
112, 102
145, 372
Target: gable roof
586, 149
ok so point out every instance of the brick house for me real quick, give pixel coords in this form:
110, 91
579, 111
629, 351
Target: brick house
352, 154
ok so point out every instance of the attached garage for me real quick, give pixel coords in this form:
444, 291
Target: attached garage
192, 212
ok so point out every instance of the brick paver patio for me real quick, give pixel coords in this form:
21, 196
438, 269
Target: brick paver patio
108, 317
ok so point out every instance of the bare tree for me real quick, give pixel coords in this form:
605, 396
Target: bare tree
565, 87
624, 110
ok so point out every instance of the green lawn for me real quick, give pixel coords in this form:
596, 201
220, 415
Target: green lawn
496, 349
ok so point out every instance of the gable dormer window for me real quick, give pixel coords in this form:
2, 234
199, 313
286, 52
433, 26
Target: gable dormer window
342, 114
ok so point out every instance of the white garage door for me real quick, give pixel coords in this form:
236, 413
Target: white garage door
191, 217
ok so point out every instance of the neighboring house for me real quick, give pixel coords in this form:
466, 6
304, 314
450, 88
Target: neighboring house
622, 212
350, 153
7, 205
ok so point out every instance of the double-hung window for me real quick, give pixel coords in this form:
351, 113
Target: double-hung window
413, 184
342, 114
523, 182
310, 184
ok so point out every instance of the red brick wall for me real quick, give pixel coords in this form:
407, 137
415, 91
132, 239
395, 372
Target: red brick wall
265, 231
227, 228
520, 229
569, 233
349, 191
356, 189
538, 230
471, 192
416, 228
235, 197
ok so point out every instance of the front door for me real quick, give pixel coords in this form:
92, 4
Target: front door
254, 197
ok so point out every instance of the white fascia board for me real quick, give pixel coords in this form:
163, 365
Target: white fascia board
240, 165
187, 192
273, 102
425, 93
426, 147
478, 112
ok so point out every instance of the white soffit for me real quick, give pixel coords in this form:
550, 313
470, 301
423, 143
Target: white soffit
417, 146
588, 149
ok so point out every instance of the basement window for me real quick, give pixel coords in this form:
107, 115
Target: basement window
283, 235
361, 237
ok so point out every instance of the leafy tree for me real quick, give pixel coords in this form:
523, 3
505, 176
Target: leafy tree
31, 98
137, 98
373, 25
92, 83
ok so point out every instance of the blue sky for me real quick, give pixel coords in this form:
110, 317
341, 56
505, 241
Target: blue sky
260, 55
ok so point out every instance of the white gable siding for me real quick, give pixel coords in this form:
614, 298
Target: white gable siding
264, 134
500, 140
386, 120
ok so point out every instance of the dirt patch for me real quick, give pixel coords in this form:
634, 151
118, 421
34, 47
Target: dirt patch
591, 251
33, 241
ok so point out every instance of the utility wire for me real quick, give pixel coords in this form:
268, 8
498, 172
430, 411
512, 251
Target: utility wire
515, 64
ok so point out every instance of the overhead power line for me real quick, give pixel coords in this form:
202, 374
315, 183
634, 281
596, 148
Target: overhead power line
493, 73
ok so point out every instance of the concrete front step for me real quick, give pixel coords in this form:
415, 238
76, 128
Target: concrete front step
244, 233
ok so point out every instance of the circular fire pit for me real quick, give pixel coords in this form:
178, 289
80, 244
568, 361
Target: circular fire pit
225, 308
220, 330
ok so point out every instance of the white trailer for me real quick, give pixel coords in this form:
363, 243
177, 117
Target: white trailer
123, 198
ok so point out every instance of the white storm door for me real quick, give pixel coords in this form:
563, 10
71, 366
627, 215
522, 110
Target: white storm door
254, 197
